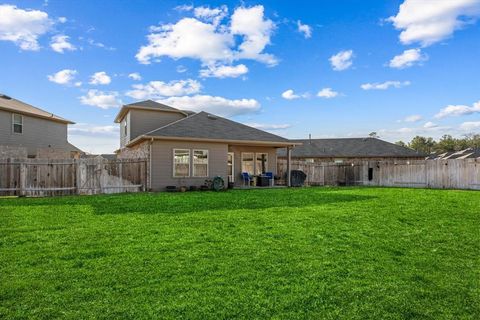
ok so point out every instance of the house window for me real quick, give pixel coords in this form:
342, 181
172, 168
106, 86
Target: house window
247, 162
17, 120
261, 163
200, 163
125, 128
181, 162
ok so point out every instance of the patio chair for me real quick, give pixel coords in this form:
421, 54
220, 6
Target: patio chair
246, 179
270, 178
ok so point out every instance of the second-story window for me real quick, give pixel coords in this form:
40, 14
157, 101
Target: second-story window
17, 120
125, 128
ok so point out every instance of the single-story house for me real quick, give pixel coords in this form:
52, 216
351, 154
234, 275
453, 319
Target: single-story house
349, 149
28, 131
185, 148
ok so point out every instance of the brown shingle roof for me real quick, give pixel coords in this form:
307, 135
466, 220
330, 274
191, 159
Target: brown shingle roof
17, 106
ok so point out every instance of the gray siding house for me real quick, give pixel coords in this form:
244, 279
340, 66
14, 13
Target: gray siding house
186, 148
29, 131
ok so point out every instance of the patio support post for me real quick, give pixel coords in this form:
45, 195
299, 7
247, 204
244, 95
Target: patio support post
289, 166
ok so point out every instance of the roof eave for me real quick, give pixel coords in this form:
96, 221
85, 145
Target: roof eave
238, 142
61, 120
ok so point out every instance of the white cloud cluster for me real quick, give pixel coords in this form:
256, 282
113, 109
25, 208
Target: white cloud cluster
290, 95
135, 76
23, 27
60, 43
213, 104
427, 22
458, 110
64, 77
205, 38
224, 71
100, 99
305, 29
100, 78
384, 85
408, 58
342, 60
470, 125
159, 89
327, 93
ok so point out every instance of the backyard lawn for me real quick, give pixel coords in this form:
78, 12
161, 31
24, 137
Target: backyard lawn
318, 253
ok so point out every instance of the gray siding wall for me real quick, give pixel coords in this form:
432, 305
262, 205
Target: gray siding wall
125, 136
237, 150
143, 121
162, 163
37, 133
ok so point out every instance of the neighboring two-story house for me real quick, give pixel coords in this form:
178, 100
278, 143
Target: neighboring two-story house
185, 148
27, 131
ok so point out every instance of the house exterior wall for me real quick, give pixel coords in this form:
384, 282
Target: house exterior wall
162, 163
237, 151
37, 133
142, 121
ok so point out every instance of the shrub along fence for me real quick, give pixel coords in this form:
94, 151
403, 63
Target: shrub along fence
440, 174
49, 177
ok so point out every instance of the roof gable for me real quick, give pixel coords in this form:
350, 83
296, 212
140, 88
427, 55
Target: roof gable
147, 105
17, 106
350, 147
203, 125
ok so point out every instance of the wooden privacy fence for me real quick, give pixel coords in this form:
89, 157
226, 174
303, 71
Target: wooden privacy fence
49, 177
441, 174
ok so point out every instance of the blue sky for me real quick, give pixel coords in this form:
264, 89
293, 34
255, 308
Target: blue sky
333, 69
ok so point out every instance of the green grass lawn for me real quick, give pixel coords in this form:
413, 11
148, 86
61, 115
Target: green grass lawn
317, 253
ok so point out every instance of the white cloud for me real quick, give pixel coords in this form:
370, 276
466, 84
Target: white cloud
384, 85
427, 22
215, 15
266, 126
213, 104
408, 58
100, 99
159, 89
209, 41
94, 138
64, 77
23, 27
413, 118
327, 93
181, 69
342, 60
256, 31
305, 29
184, 7
470, 125
458, 110
62, 19
224, 71
135, 76
430, 125
290, 95
60, 43
100, 78
84, 128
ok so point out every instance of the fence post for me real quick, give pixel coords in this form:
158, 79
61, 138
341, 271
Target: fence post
23, 179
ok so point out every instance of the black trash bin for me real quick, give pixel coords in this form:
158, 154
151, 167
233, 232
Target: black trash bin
298, 178
263, 181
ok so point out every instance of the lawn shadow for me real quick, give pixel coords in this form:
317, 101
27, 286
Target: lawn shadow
178, 203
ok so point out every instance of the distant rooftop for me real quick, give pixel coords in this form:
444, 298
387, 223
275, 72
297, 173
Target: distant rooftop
148, 105
349, 148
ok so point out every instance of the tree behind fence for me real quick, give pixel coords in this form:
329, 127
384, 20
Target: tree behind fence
49, 177
441, 174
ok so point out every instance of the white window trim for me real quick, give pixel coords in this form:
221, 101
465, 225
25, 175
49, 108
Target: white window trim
193, 163
266, 161
241, 161
232, 176
189, 162
13, 122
